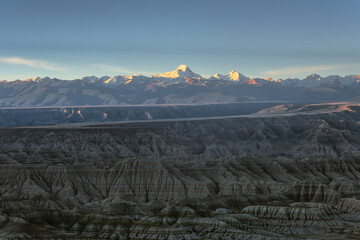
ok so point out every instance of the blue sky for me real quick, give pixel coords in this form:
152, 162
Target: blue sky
259, 38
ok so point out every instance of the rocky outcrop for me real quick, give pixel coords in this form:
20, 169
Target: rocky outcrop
183, 197
236, 178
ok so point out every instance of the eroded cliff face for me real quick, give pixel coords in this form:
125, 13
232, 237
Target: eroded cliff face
182, 197
242, 178
333, 134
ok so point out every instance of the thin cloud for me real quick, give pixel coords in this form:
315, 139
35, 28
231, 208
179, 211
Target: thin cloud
35, 63
119, 69
307, 69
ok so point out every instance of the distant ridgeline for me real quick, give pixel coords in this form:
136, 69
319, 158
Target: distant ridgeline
181, 86
11, 117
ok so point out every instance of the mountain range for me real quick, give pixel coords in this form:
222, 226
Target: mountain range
181, 86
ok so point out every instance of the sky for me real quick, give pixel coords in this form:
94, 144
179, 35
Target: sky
70, 39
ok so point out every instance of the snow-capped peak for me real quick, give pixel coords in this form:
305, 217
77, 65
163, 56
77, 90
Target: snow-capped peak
218, 76
40, 79
115, 80
236, 76
232, 76
183, 68
183, 71
34, 79
313, 77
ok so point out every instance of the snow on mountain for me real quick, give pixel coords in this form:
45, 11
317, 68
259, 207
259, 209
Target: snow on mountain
232, 76
289, 82
34, 79
346, 80
312, 80
39, 79
315, 80
136, 78
236, 76
357, 80
184, 75
183, 71
115, 80
125, 80
179, 86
